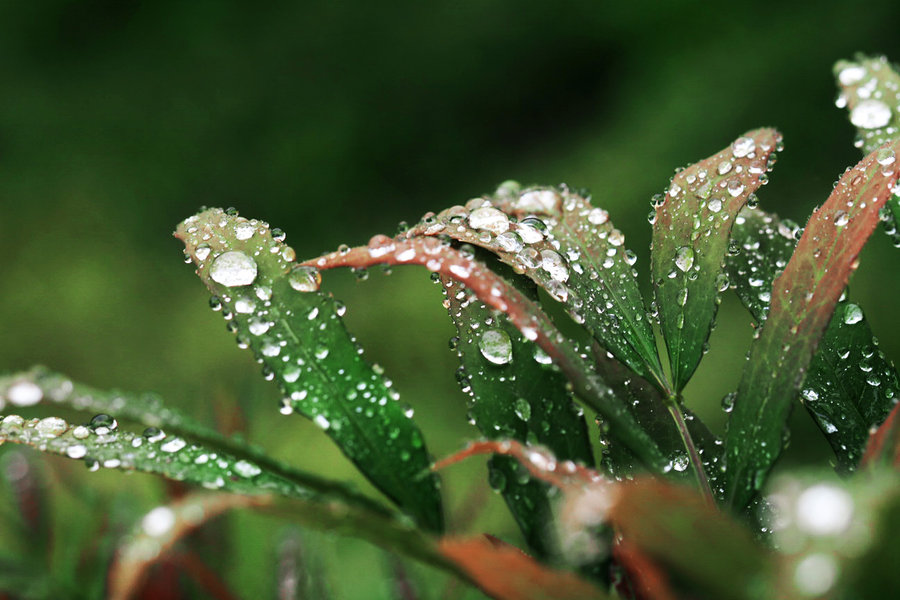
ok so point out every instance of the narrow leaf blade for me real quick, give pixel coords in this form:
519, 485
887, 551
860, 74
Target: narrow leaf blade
803, 300
298, 334
690, 239
515, 394
526, 315
851, 385
571, 249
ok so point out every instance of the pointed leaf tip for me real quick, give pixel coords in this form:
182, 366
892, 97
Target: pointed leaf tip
690, 240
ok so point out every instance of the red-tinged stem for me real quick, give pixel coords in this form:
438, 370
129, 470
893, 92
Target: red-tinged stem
693, 454
206, 577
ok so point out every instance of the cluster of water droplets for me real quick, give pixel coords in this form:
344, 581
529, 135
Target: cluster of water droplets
871, 90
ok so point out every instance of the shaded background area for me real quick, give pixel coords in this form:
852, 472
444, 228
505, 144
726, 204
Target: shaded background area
337, 120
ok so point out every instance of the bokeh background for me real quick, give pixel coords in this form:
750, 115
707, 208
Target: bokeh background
337, 120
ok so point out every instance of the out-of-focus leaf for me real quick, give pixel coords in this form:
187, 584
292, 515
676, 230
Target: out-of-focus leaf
870, 90
516, 393
275, 308
643, 575
803, 300
850, 385
159, 530
104, 444
528, 318
883, 446
39, 385
693, 540
506, 573
573, 251
690, 239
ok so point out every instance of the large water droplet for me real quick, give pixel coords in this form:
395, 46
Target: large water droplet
743, 146
490, 219
305, 279
852, 314
684, 258
233, 269
496, 346
554, 264
24, 393
851, 74
870, 114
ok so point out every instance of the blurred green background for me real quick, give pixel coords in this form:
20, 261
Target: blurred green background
337, 120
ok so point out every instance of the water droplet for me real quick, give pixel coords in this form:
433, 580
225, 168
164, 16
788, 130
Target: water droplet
724, 167
322, 422
809, 394
258, 326
743, 146
496, 346
153, 434
173, 445
202, 252
305, 279
244, 230
714, 205
233, 269
886, 157
852, 314
541, 357
815, 574
824, 509
103, 424
616, 237
51, 427
159, 521
851, 74
490, 219
523, 409
246, 469
76, 451
24, 393
598, 216
554, 264
244, 305
509, 241
735, 187
870, 114
538, 201
684, 258
841, 218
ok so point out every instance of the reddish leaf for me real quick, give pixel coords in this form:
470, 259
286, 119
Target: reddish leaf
650, 580
884, 443
525, 314
690, 239
803, 299
506, 573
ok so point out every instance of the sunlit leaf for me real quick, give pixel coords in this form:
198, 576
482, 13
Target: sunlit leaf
690, 239
160, 529
275, 308
850, 385
803, 300
526, 315
572, 250
506, 573
40, 385
515, 393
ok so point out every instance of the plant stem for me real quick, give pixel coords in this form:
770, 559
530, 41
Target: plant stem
696, 462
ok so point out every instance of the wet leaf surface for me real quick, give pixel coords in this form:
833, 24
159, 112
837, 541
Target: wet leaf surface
275, 308
690, 239
803, 296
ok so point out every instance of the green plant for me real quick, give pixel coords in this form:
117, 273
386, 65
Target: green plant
659, 508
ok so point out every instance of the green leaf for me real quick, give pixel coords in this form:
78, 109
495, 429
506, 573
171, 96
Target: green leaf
104, 444
526, 315
803, 300
851, 385
41, 385
870, 90
515, 393
275, 309
573, 251
690, 239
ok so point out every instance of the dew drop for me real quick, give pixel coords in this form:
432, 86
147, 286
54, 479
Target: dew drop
233, 269
851, 74
305, 279
24, 393
509, 241
496, 346
246, 469
598, 216
555, 266
684, 258
870, 114
523, 409
490, 219
743, 146
852, 314
244, 230
841, 218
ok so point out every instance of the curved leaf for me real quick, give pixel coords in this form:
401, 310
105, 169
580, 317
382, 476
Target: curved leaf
690, 239
851, 385
41, 385
297, 333
527, 316
516, 393
870, 90
803, 300
573, 251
